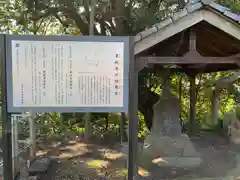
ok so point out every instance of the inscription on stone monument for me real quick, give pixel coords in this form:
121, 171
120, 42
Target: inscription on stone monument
166, 115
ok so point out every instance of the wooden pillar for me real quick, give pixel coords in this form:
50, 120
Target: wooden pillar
215, 107
15, 145
33, 137
193, 100
133, 116
192, 78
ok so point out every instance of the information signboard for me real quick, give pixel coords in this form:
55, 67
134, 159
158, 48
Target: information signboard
67, 74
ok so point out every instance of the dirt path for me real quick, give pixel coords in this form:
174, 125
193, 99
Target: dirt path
77, 159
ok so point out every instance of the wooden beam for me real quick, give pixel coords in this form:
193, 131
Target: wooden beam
177, 45
197, 66
222, 23
222, 43
208, 48
221, 37
207, 69
238, 63
192, 57
168, 30
141, 64
192, 41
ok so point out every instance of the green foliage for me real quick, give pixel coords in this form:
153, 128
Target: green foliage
143, 130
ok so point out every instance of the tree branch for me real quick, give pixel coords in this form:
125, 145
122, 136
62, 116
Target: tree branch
69, 12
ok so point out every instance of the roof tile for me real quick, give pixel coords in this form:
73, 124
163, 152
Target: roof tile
192, 6
219, 7
180, 14
148, 32
232, 15
164, 23
206, 2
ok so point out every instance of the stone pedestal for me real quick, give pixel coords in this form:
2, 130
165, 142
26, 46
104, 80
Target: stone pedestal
166, 145
169, 151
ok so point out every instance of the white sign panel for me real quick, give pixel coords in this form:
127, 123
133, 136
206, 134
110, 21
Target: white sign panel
67, 74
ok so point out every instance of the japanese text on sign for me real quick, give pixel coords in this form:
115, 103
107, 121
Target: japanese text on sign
67, 73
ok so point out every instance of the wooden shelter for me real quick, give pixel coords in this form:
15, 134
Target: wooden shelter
202, 37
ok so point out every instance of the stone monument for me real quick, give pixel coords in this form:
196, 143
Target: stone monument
166, 145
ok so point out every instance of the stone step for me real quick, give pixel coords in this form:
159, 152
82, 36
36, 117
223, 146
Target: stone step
29, 178
39, 165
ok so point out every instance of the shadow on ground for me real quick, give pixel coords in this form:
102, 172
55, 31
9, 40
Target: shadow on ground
220, 160
77, 159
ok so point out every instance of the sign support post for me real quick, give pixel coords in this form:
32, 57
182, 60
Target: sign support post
133, 116
6, 117
88, 116
32, 124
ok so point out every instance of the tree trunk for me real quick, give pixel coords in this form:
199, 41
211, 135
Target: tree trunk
146, 100
118, 9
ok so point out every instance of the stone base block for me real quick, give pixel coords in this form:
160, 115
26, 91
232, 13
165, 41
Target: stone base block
29, 178
176, 162
169, 151
166, 146
33, 178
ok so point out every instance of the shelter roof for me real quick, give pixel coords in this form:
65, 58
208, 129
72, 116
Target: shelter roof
193, 13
